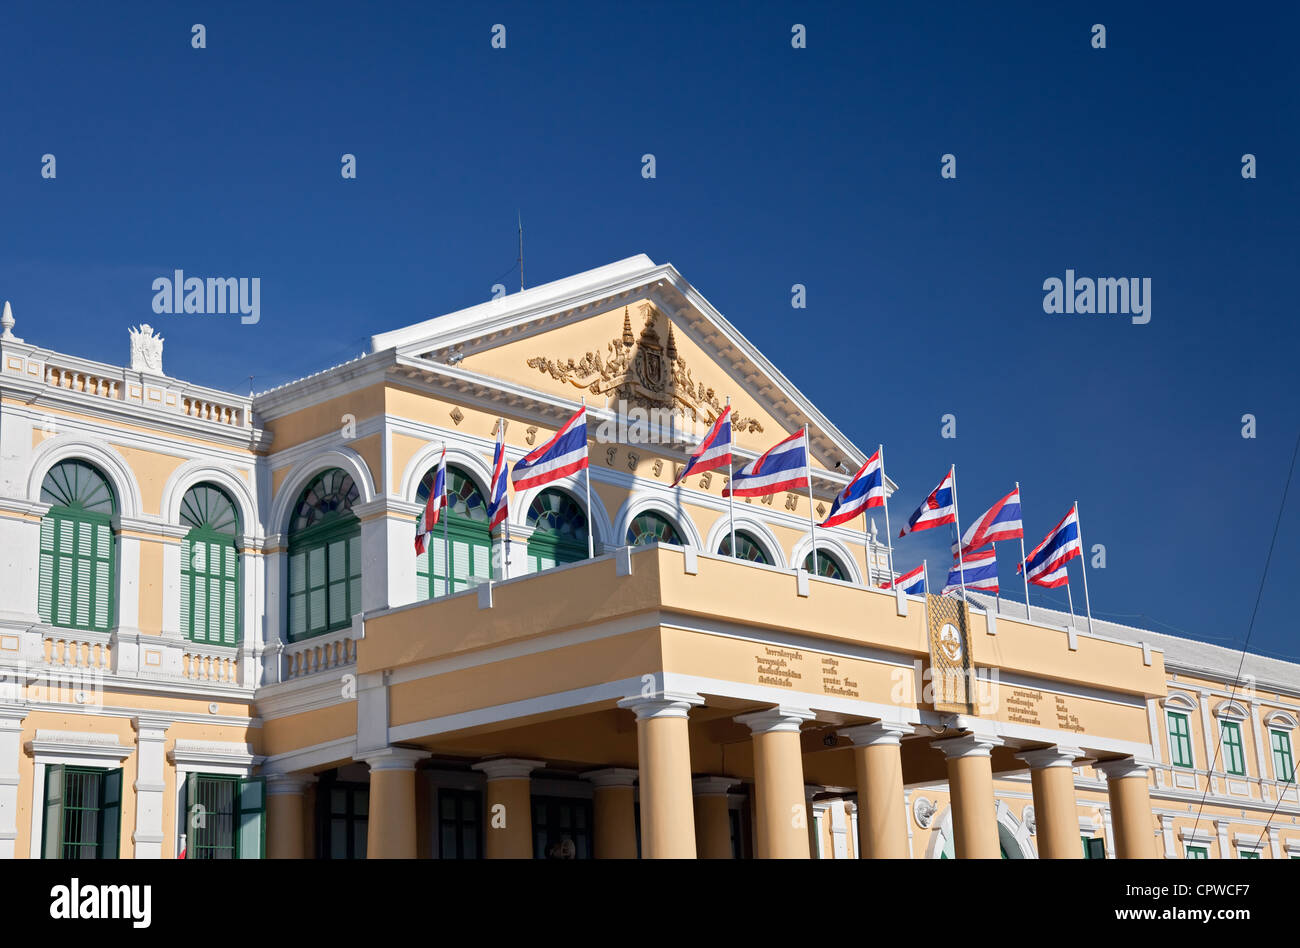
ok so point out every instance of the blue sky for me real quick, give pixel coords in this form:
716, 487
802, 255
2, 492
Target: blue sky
775, 166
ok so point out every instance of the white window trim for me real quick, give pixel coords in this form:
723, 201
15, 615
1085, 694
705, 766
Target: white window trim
75, 748
219, 758
1248, 842
1272, 753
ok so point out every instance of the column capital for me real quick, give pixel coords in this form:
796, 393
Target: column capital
1123, 767
879, 733
508, 768
663, 704
712, 786
151, 727
780, 718
1057, 756
611, 777
968, 745
278, 784
394, 758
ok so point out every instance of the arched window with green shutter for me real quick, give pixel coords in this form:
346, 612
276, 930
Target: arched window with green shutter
559, 531
467, 532
78, 561
747, 548
828, 565
651, 527
210, 612
324, 556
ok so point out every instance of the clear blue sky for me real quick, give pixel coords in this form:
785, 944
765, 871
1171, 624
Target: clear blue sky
775, 166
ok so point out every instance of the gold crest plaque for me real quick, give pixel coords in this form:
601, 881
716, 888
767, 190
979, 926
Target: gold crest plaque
951, 664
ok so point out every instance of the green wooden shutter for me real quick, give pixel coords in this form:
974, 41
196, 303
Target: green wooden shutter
251, 811
297, 594
110, 815
103, 584
46, 586
422, 579
354, 574
187, 580
52, 825
229, 595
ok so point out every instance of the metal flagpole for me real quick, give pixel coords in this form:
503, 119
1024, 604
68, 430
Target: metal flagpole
1024, 567
812, 521
925, 576
956, 512
591, 545
1069, 597
446, 515
1083, 565
889, 533
731, 499
505, 476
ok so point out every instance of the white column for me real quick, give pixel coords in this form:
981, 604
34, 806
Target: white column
11, 731
275, 631
1167, 835
252, 573
1221, 828
151, 739
518, 549
388, 552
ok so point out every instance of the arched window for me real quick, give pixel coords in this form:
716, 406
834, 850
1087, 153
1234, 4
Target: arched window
467, 532
210, 567
827, 565
651, 527
559, 531
78, 556
324, 556
747, 548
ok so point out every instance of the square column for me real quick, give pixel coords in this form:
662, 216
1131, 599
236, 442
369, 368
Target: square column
614, 812
11, 732
508, 807
1130, 807
286, 815
877, 755
151, 739
664, 752
970, 781
781, 812
1051, 774
712, 819
391, 834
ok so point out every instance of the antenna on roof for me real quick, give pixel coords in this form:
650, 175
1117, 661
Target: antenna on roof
521, 252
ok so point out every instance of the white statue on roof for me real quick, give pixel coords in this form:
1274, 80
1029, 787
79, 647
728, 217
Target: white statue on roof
146, 350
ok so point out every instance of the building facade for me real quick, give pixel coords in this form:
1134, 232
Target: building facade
216, 639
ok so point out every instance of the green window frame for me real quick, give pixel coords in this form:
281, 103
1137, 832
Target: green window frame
828, 566
747, 548
210, 574
1094, 847
1234, 758
460, 824
652, 527
225, 817
83, 813
1180, 740
467, 535
78, 550
559, 531
1248, 853
324, 557
1197, 852
1283, 762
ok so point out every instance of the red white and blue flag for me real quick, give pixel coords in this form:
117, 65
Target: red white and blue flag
433, 507
1047, 564
936, 510
1000, 522
979, 569
867, 489
782, 467
714, 451
912, 584
499, 504
564, 454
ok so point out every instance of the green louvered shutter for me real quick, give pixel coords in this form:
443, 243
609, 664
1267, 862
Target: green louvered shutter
46, 582
251, 810
110, 815
229, 595
52, 827
187, 582
103, 583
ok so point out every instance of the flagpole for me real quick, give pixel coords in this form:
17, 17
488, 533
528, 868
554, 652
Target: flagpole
925, 576
1069, 597
586, 470
889, 533
1024, 567
505, 565
812, 521
731, 500
956, 512
446, 515
1083, 565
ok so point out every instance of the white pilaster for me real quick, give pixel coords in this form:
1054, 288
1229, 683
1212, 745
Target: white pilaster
11, 729
387, 550
151, 740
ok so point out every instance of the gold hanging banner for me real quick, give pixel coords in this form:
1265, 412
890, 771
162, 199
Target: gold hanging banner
951, 664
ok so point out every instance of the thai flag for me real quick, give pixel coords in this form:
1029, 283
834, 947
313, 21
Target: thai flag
935, 510
499, 505
782, 467
433, 507
912, 584
980, 571
1047, 563
564, 454
867, 489
714, 451
1000, 522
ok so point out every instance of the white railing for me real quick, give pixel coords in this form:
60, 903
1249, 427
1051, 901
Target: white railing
68, 648
319, 654
209, 664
